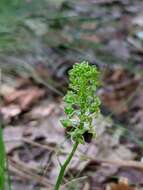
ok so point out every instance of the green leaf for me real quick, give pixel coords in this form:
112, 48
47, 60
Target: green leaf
2, 161
69, 110
66, 123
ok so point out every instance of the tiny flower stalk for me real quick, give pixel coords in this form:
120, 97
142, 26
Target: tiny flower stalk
81, 107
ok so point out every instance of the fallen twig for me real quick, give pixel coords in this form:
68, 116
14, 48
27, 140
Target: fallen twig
126, 163
22, 169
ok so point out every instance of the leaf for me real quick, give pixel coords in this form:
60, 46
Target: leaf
2, 159
69, 110
12, 138
66, 123
122, 185
26, 97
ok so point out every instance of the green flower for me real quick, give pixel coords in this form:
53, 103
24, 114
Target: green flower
82, 103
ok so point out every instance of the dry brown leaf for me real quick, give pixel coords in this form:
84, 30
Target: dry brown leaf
26, 97
18, 101
115, 105
13, 138
122, 185
103, 173
9, 112
134, 176
119, 85
107, 147
6, 89
86, 186
43, 110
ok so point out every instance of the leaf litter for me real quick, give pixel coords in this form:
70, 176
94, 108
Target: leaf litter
35, 141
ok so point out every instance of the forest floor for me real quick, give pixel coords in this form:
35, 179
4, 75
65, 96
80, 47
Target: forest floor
39, 43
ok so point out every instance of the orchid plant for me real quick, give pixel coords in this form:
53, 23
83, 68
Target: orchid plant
81, 107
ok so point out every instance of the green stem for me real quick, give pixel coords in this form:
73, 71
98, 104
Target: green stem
64, 166
2, 157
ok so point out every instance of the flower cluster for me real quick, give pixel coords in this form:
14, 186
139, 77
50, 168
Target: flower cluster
82, 103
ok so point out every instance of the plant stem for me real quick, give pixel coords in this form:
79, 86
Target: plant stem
2, 158
64, 166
